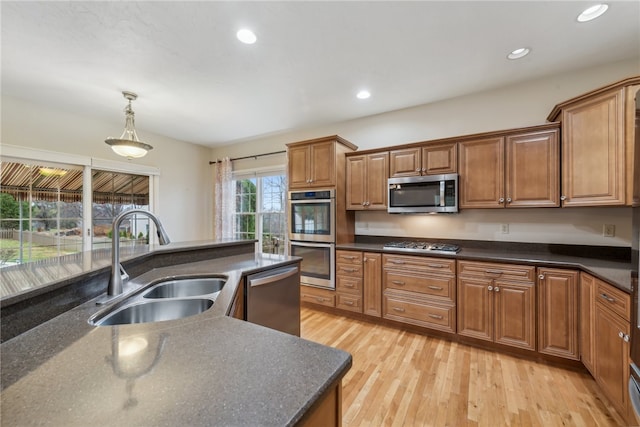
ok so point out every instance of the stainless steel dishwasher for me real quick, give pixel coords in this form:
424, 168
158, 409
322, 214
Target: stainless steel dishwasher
272, 299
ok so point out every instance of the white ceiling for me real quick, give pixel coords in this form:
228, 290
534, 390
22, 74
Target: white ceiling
197, 83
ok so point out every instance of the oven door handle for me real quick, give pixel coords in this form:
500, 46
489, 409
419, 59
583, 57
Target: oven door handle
310, 244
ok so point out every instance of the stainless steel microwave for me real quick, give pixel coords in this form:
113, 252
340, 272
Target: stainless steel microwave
424, 194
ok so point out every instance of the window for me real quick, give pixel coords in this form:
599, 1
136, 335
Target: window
40, 211
260, 210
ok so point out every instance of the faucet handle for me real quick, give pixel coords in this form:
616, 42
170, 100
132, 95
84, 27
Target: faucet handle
123, 274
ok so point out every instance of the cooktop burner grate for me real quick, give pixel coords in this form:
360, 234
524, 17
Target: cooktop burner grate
411, 246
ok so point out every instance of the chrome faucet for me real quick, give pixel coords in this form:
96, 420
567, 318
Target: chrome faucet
118, 275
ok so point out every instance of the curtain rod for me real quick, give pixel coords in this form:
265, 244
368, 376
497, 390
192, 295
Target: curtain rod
211, 162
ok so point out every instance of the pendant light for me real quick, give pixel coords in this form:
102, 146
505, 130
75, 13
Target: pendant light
128, 145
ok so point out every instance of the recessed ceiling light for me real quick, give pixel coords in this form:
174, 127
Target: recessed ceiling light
593, 12
519, 53
363, 94
246, 36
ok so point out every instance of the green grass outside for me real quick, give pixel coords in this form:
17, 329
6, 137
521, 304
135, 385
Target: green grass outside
10, 251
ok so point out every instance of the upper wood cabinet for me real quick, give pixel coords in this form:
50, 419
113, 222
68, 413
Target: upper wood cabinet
598, 131
367, 181
432, 159
519, 169
317, 163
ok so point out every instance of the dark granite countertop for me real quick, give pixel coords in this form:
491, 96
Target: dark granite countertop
615, 272
207, 369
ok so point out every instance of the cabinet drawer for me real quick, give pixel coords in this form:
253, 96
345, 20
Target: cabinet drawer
441, 317
615, 299
349, 302
348, 257
348, 284
317, 296
431, 285
489, 270
416, 263
351, 270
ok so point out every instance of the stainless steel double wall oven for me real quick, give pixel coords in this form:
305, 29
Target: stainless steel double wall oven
312, 235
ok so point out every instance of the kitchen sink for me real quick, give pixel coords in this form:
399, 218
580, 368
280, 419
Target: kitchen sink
181, 288
152, 311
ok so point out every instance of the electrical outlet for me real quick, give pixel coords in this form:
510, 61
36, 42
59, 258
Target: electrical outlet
608, 230
504, 228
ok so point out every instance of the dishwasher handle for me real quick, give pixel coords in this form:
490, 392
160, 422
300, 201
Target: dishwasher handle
281, 274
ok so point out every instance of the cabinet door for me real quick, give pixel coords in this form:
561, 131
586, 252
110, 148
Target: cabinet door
612, 356
356, 182
515, 314
323, 164
475, 306
440, 159
372, 295
558, 312
587, 320
377, 174
405, 162
593, 162
299, 165
482, 173
532, 170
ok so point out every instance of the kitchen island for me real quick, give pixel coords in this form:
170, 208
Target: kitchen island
207, 369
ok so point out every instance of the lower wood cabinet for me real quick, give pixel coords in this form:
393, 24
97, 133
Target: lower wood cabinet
496, 302
419, 291
558, 312
587, 320
372, 284
359, 282
318, 296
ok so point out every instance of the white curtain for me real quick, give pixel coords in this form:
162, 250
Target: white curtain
223, 209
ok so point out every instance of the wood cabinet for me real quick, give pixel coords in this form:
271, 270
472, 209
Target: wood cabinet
558, 312
358, 282
587, 320
366, 187
327, 411
598, 145
419, 291
496, 302
511, 170
606, 313
349, 280
317, 163
318, 296
431, 159
372, 284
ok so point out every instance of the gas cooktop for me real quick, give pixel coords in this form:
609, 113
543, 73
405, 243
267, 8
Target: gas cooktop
436, 248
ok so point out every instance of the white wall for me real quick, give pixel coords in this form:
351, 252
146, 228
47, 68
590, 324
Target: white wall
185, 175
512, 106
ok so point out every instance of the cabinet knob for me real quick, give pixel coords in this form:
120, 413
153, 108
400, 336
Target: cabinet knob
364, 203
501, 200
508, 199
424, 169
490, 288
621, 334
541, 277
417, 169
626, 338
496, 289
563, 197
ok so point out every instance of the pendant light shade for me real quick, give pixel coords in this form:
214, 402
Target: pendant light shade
128, 145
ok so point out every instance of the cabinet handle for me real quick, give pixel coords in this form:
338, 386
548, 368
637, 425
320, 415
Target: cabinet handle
607, 298
541, 276
348, 302
435, 288
501, 200
348, 285
563, 198
435, 316
490, 288
397, 282
348, 270
397, 261
320, 299
347, 256
496, 289
398, 309
498, 272
435, 265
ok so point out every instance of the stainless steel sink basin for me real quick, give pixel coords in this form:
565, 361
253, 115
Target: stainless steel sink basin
182, 288
152, 311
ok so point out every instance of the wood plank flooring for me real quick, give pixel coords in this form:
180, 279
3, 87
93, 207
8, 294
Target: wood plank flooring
401, 378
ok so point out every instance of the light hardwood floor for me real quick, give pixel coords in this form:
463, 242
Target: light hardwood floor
401, 378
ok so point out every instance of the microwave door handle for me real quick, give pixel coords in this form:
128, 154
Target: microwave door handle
442, 192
